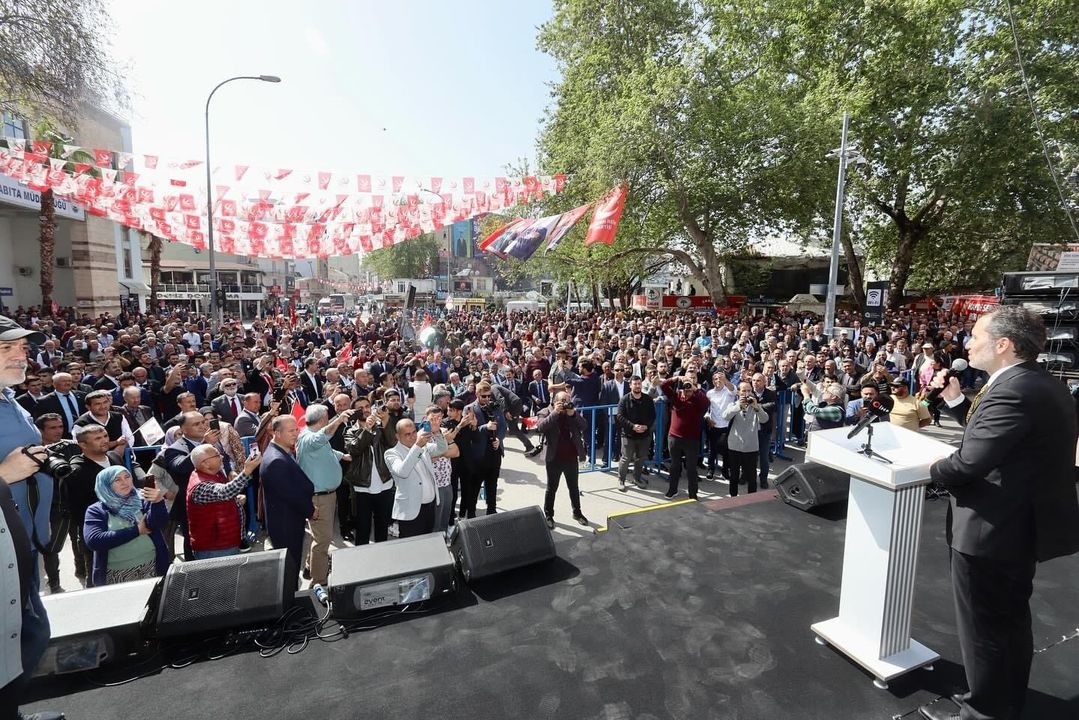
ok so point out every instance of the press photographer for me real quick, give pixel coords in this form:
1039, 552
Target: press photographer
563, 430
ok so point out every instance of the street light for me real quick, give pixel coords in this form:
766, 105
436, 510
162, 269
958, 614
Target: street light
215, 307
845, 156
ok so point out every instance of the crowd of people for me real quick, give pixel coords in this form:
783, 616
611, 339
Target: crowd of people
373, 422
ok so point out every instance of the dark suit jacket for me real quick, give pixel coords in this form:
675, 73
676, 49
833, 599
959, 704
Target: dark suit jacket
1012, 480
287, 492
481, 437
768, 402
245, 425
29, 403
223, 407
313, 390
51, 404
103, 383
608, 392
534, 391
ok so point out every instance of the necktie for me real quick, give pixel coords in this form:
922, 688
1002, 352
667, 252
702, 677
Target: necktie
976, 401
543, 398
72, 411
235, 408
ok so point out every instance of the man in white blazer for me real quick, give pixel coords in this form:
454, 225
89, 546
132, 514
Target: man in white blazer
416, 495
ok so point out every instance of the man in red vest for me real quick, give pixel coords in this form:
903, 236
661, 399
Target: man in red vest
214, 503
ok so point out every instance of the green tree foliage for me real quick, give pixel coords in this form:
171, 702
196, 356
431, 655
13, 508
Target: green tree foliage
416, 258
53, 56
954, 188
671, 97
720, 116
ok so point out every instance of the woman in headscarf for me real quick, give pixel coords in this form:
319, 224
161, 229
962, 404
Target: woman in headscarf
123, 529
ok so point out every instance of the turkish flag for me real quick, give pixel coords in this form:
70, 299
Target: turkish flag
346, 353
398, 182
146, 195
605, 219
102, 158
187, 201
363, 183
297, 410
468, 185
228, 208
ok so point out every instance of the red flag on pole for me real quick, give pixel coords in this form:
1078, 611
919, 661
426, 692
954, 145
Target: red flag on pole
605, 219
280, 364
346, 353
292, 314
299, 413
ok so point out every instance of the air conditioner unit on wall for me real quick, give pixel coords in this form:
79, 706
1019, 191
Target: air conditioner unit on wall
63, 262
26, 271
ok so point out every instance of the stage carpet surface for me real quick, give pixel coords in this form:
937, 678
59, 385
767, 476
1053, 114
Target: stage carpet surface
695, 611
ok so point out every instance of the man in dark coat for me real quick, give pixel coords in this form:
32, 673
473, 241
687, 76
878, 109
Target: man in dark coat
1013, 504
563, 430
287, 492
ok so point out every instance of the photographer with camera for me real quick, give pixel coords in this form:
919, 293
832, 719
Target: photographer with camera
26, 631
745, 417
61, 453
563, 430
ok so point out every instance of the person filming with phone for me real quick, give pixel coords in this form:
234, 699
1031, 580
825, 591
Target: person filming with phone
215, 502
123, 529
745, 417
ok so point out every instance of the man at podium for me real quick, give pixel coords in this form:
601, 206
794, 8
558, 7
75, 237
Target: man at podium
1013, 504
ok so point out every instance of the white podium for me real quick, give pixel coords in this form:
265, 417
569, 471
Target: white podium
880, 554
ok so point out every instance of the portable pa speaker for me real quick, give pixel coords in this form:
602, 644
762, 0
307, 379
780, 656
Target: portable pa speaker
396, 572
809, 485
495, 543
217, 593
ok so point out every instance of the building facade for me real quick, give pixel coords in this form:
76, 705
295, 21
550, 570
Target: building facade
98, 262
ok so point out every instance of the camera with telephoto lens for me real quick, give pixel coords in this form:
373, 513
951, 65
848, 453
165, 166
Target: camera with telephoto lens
568, 405
57, 463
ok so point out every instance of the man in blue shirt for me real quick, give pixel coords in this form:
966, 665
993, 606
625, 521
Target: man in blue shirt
322, 464
857, 409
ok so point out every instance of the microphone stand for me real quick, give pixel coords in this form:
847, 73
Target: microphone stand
867, 447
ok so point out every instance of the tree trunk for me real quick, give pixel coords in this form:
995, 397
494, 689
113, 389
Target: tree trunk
48, 249
154, 247
855, 280
909, 237
595, 295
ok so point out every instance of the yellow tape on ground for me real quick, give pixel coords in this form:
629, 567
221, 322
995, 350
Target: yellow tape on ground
647, 508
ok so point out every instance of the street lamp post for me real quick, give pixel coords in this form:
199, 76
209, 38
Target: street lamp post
215, 307
837, 230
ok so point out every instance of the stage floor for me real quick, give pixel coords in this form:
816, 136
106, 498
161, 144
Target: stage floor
694, 611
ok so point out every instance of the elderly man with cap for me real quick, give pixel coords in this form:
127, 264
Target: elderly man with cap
25, 632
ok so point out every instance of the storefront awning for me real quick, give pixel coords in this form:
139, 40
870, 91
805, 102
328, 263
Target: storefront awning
139, 288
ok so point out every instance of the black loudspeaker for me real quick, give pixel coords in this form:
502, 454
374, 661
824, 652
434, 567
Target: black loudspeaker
492, 544
809, 485
205, 595
397, 572
410, 299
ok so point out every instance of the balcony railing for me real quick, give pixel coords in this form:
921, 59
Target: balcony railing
205, 288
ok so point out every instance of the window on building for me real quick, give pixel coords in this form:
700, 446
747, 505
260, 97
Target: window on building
127, 260
14, 127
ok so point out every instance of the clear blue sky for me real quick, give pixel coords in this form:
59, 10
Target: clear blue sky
407, 87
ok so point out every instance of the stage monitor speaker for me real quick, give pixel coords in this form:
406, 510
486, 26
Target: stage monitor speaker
96, 627
809, 485
202, 596
397, 572
492, 544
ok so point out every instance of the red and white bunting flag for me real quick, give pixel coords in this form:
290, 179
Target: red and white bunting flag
240, 171
363, 183
324, 179
188, 164
398, 183
69, 150
102, 158
150, 162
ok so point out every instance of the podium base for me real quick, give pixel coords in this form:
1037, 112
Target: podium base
835, 633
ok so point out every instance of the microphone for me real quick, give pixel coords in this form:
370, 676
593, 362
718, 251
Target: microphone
878, 408
958, 366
